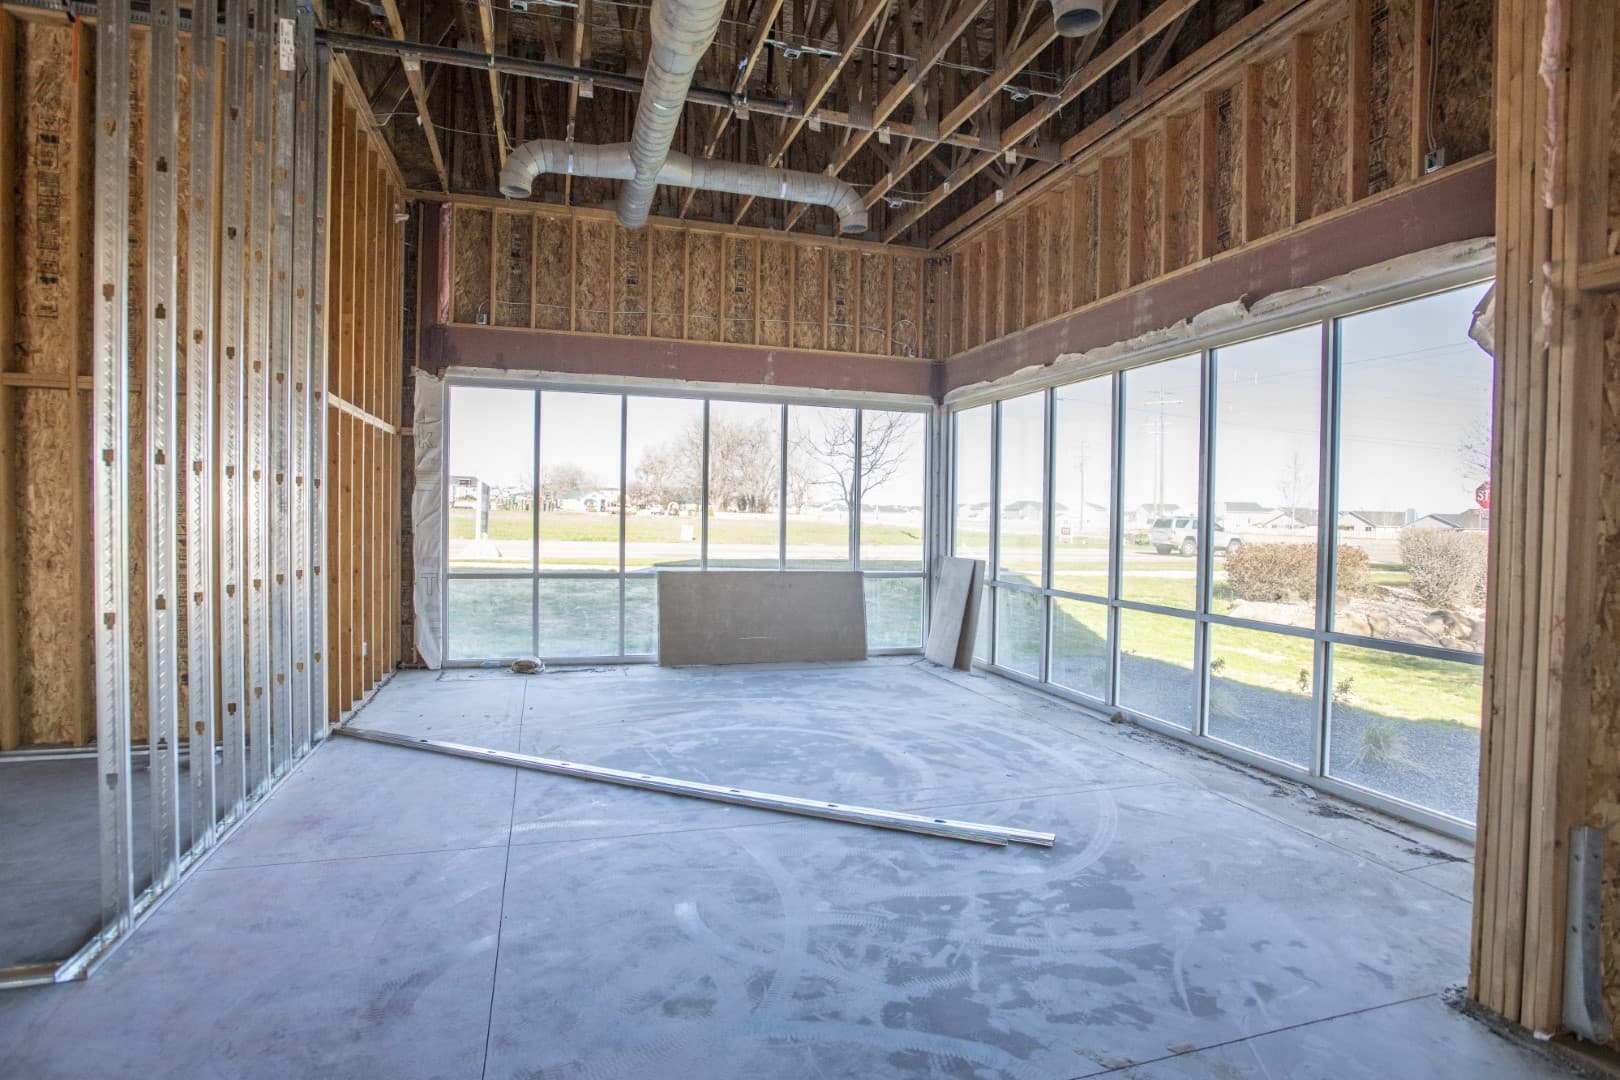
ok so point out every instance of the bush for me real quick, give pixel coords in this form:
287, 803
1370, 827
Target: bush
1281, 573
1447, 567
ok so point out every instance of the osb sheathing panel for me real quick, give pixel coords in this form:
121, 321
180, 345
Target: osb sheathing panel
905, 331
47, 606
1152, 197
1463, 112
739, 290
1613, 247
553, 273
593, 280
1391, 112
1275, 144
1036, 274
775, 290
1085, 239
1060, 252
1183, 192
514, 249
44, 151
842, 300
1603, 751
471, 285
1330, 117
1228, 169
630, 282
992, 288
874, 314
933, 299
1114, 233
703, 287
668, 281
809, 295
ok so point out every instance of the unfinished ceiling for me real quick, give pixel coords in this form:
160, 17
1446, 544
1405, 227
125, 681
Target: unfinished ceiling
901, 98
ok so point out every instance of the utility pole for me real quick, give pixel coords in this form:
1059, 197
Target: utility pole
1161, 402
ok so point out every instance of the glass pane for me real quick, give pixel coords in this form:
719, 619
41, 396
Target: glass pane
491, 495
579, 482
640, 616
1161, 483
579, 617
664, 450
820, 474
745, 475
1268, 406
1407, 726
972, 472
1414, 474
1082, 456
490, 619
1080, 646
894, 449
894, 613
1260, 692
1018, 631
1156, 667
1023, 487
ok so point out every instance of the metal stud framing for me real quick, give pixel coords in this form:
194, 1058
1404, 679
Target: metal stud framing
278, 472
256, 448
317, 401
199, 502
162, 268
303, 266
268, 303
109, 417
232, 382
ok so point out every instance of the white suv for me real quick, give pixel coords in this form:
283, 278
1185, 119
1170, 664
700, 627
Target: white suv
1180, 534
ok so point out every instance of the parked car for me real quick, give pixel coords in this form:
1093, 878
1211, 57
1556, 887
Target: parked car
1180, 534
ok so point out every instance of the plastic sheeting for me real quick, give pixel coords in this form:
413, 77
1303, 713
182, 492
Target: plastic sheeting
427, 526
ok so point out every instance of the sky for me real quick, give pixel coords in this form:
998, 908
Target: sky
492, 430
1414, 390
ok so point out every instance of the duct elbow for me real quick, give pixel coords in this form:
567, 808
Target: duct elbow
1077, 18
522, 166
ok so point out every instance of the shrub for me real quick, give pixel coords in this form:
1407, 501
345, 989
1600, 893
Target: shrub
1381, 743
1272, 573
1278, 573
1447, 567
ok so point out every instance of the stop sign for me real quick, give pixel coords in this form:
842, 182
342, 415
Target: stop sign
1482, 495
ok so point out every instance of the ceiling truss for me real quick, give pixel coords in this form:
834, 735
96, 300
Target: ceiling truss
927, 107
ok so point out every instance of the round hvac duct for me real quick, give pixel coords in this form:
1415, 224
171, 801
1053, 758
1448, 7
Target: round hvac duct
1077, 18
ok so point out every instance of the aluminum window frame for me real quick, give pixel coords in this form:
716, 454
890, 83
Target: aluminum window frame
1329, 318
708, 395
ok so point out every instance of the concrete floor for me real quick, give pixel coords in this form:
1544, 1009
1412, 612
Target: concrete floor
50, 853
391, 913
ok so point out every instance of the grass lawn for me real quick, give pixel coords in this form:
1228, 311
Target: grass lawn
493, 619
1396, 686
564, 528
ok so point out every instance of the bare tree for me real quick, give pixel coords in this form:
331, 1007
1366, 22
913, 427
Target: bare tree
887, 442
1474, 452
1291, 484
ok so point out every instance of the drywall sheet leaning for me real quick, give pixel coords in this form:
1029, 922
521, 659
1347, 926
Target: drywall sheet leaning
766, 616
956, 613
